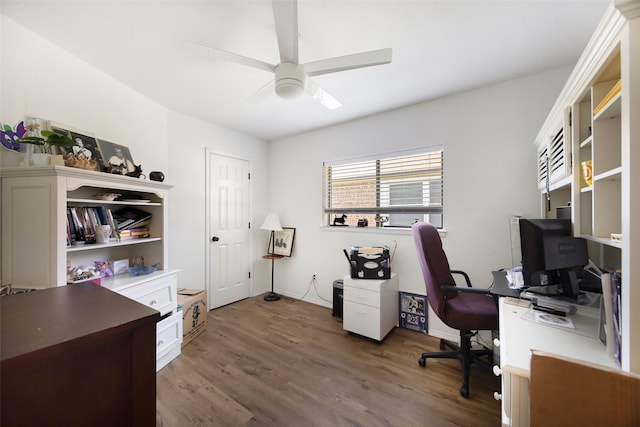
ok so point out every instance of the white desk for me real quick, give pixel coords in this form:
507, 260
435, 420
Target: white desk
519, 335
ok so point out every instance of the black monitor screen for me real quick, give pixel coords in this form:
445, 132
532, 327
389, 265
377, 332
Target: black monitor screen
551, 255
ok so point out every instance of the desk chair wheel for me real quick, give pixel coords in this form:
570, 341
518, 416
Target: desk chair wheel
422, 361
464, 391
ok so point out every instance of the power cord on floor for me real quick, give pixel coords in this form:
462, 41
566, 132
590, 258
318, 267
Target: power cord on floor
313, 283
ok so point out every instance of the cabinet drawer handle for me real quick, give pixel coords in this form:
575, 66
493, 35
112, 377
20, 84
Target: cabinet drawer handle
153, 302
497, 396
160, 343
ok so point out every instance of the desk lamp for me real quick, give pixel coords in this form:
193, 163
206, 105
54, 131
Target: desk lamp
272, 223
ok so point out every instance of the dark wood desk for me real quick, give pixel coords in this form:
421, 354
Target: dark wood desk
77, 355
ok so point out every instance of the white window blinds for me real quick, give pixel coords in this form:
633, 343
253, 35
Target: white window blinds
401, 187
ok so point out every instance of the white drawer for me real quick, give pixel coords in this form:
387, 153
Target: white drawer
373, 285
159, 294
361, 296
361, 319
168, 339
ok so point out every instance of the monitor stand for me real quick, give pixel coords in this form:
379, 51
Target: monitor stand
547, 290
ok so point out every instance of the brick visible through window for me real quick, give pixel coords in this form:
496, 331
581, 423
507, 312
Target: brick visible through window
387, 190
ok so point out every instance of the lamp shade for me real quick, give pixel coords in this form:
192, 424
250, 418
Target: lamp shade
271, 222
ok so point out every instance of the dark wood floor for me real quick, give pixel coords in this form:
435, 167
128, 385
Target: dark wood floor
290, 363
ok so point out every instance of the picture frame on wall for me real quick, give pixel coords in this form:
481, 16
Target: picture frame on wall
283, 242
117, 158
85, 153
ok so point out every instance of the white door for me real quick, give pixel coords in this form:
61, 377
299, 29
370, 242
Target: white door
229, 235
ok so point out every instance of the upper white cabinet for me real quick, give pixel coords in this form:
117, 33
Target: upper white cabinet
599, 108
35, 253
554, 153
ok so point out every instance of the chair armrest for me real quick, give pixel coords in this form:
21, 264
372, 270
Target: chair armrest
463, 274
466, 289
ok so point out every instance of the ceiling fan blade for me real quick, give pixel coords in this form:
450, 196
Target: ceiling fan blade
321, 95
263, 93
285, 14
234, 57
349, 62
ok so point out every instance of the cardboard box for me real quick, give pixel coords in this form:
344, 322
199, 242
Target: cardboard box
572, 392
193, 303
119, 266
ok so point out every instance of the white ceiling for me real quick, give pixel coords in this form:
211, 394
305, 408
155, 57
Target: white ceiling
439, 48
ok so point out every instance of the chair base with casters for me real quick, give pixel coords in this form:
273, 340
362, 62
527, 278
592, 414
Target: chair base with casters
463, 308
464, 353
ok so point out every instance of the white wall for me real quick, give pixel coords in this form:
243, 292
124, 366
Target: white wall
490, 175
42, 80
189, 138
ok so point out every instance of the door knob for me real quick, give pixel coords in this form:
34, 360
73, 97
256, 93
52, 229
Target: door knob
215, 238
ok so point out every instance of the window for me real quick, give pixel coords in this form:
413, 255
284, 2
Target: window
397, 189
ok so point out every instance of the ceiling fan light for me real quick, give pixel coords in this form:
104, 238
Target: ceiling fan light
290, 80
289, 88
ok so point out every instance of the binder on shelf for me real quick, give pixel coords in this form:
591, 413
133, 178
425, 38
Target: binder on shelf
608, 313
611, 299
617, 318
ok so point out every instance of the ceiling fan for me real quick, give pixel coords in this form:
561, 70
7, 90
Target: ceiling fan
291, 79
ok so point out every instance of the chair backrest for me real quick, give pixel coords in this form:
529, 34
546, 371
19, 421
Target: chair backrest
434, 265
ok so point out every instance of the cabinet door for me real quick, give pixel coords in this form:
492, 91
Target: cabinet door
32, 241
554, 154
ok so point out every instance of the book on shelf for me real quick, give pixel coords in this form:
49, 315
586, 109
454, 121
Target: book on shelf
82, 223
79, 235
608, 97
112, 223
130, 217
135, 233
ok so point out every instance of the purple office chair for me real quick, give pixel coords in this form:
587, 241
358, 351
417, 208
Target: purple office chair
464, 308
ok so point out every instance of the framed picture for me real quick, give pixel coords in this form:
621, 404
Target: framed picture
85, 154
283, 242
117, 157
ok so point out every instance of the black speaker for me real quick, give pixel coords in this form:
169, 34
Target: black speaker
156, 176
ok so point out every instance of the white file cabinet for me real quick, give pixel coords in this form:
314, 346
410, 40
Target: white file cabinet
370, 306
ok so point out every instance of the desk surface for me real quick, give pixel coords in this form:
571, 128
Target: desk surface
500, 286
518, 336
47, 318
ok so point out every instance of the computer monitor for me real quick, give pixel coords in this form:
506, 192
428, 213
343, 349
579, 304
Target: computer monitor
551, 256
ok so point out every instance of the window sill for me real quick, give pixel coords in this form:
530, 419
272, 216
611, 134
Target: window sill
402, 231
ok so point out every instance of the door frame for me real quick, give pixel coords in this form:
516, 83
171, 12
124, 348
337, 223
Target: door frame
207, 214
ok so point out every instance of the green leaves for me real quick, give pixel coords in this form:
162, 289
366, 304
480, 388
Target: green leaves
50, 139
54, 138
